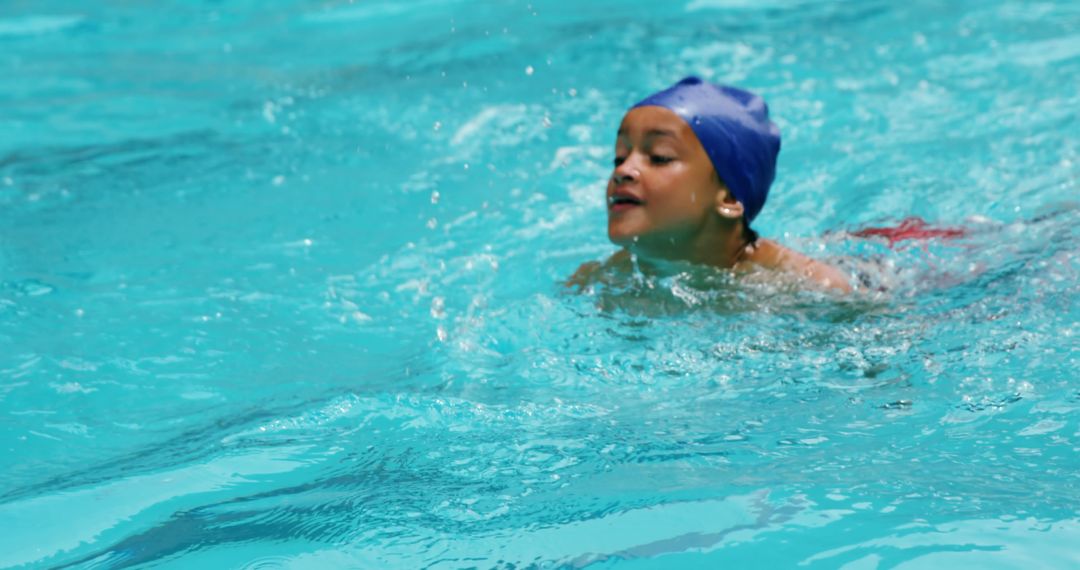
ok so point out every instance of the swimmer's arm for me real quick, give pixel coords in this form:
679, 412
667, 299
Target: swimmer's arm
595, 271
825, 275
584, 276
775, 256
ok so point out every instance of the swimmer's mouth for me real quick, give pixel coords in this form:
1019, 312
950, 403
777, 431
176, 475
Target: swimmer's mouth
623, 201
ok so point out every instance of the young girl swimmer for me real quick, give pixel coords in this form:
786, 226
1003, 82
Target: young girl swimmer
693, 166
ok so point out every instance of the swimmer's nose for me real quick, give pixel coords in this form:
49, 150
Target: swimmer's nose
624, 173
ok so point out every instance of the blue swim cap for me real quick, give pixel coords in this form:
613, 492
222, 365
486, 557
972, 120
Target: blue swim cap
734, 127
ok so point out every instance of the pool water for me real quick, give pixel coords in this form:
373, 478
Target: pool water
280, 286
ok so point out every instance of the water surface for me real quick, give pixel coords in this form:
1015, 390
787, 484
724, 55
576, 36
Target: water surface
280, 287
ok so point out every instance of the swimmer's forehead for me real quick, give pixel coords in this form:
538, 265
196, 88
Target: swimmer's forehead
653, 123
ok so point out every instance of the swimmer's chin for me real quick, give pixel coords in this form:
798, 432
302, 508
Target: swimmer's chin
643, 244
625, 242
621, 238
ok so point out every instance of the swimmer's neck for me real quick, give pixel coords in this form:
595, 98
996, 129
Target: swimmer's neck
727, 250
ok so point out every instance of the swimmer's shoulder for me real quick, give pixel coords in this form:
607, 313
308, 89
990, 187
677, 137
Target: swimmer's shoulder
770, 255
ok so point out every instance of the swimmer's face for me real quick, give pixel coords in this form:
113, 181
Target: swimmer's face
664, 189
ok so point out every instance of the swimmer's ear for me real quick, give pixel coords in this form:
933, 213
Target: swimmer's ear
727, 206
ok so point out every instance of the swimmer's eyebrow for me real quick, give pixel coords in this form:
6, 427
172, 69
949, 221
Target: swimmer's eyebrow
652, 133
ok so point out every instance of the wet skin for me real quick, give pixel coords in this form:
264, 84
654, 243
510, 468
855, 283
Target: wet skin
663, 191
666, 202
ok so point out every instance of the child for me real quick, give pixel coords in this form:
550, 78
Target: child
693, 165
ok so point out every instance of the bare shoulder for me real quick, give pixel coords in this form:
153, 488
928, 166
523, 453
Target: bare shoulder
771, 255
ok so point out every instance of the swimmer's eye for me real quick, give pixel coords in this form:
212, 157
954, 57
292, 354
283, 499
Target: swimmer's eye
657, 159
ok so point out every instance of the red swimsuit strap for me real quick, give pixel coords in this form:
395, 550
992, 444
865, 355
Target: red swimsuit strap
910, 228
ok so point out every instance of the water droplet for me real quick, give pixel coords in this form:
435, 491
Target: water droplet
547, 121
529, 70
278, 180
435, 197
436, 126
438, 308
466, 165
432, 223
572, 92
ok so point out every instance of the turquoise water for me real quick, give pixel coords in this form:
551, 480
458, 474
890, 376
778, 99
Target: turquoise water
280, 287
